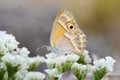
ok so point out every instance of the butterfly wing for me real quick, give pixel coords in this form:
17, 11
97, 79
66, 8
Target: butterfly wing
64, 45
57, 30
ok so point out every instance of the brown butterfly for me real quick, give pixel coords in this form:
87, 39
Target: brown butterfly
66, 34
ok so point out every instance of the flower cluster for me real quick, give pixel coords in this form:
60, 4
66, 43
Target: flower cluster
7, 42
58, 64
79, 63
15, 63
102, 66
79, 70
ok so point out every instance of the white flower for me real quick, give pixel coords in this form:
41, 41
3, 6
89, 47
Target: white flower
7, 42
107, 63
83, 67
35, 61
79, 70
60, 60
87, 58
72, 57
75, 65
52, 55
15, 60
80, 67
34, 76
21, 74
55, 59
51, 59
64, 58
50, 63
22, 51
52, 72
110, 63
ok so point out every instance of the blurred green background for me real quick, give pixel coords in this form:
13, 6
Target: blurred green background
30, 21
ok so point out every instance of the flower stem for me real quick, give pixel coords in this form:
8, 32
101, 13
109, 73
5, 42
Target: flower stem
99, 74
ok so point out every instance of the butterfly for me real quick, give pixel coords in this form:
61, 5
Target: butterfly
66, 35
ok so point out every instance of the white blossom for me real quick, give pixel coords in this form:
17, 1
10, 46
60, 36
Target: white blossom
21, 74
7, 42
87, 58
50, 63
51, 59
36, 60
15, 60
52, 72
107, 63
22, 51
57, 60
79, 70
80, 67
60, 60
34, 76
52, 55
72, 57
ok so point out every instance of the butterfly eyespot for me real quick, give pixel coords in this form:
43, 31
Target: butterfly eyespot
71, 27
